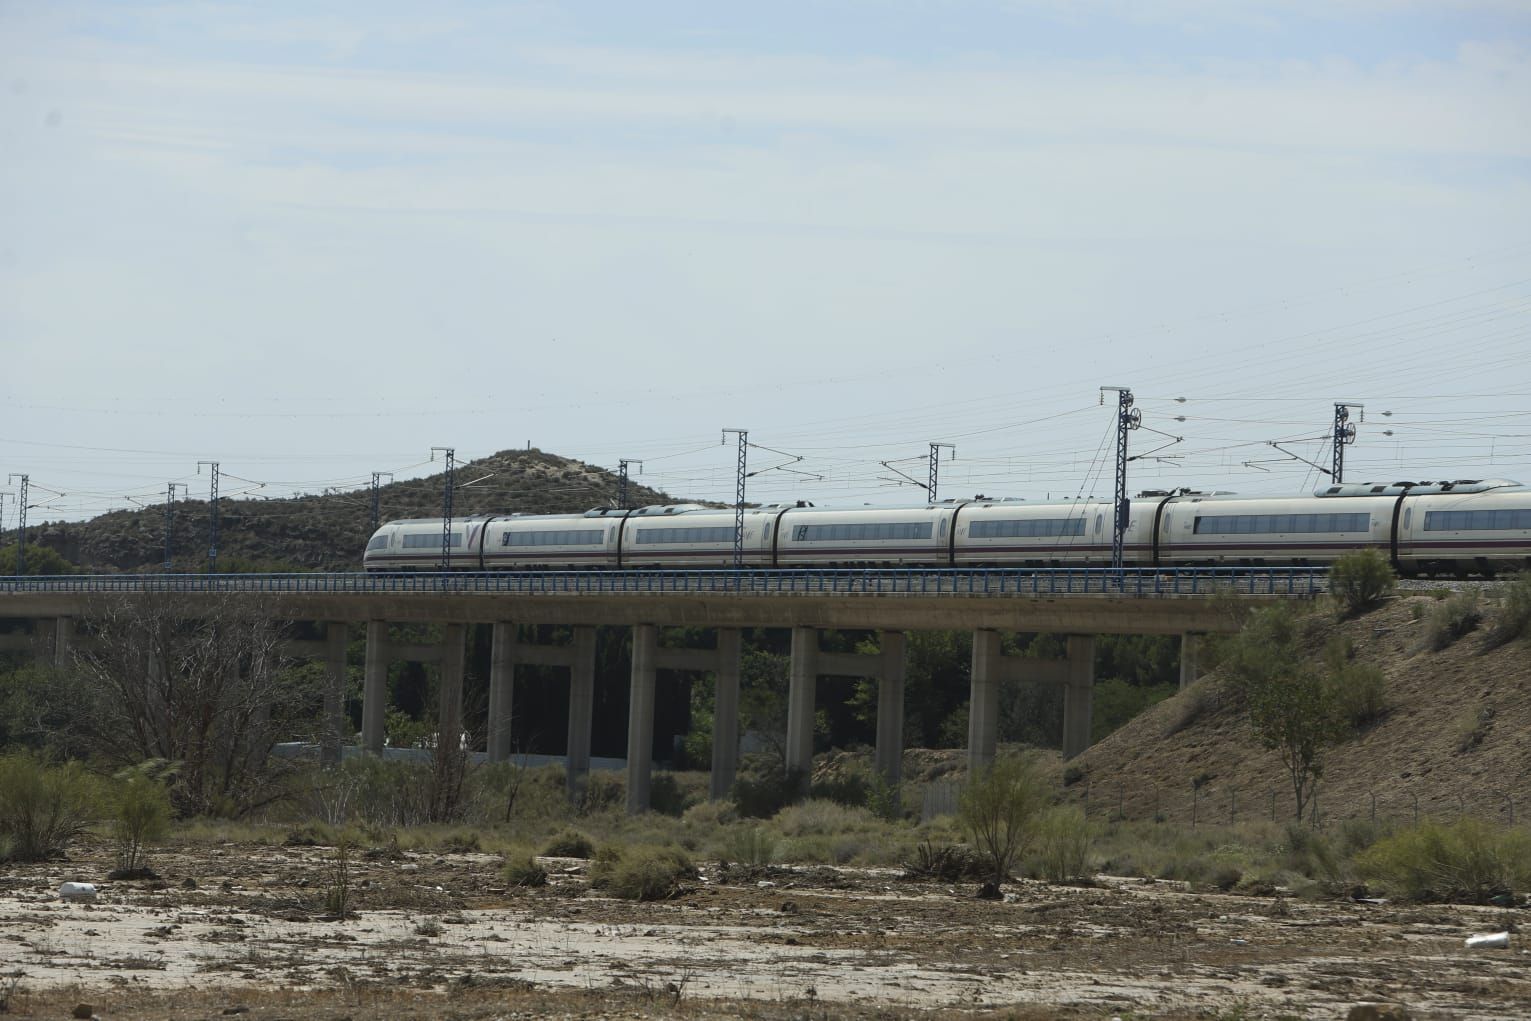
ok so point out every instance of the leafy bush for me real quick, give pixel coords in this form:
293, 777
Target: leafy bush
1467, 861
522, 870
1063, 844
1451, 619
1358, 689
569, 844
1514, 613
43, 808
644, 873
1359, 581
140, 816
851, 789
601, 792
998, 810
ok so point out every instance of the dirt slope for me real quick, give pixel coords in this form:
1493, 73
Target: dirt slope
1457, 737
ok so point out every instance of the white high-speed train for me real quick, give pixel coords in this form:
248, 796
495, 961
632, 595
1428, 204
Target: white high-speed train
1462, 527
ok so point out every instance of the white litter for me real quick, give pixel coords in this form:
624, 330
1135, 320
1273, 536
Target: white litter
1489, 941
83, 892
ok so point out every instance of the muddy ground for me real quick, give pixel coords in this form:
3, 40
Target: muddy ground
242, 930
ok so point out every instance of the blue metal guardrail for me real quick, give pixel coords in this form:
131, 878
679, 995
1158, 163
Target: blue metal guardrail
913, 581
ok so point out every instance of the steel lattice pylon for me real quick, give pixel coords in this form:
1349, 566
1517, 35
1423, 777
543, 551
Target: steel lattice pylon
1127, 419
446, 504
212, 513
1344, 436
744, 442
21, 524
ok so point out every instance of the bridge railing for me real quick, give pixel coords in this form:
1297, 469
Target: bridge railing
913, 581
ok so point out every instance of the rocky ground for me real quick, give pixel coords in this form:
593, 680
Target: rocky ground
244, 929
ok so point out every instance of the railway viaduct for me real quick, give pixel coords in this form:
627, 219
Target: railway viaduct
1079, 603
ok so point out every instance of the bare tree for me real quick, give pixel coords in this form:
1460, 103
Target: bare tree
195, 681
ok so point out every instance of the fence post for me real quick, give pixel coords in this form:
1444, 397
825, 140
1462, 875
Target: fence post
1374, 806
1233, 796
1416, 808
1195, 801
1120, 794
1087, 799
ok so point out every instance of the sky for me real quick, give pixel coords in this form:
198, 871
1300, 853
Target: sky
311, 241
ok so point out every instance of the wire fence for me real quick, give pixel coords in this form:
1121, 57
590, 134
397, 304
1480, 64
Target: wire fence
1195, 803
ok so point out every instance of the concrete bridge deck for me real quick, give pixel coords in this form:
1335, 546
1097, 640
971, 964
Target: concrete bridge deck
1078, 600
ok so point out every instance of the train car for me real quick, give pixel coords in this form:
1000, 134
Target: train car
689, 536
1468, 528
883, 536
1016, 533
415, 545
1261, 531
546, 541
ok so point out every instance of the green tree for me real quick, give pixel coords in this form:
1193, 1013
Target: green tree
998, 811
40, 560
1290, 705
140, 816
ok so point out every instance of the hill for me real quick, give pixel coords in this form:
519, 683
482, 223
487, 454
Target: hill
326, 531
1456, 737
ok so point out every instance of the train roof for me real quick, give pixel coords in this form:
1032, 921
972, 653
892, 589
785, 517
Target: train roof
1414, 488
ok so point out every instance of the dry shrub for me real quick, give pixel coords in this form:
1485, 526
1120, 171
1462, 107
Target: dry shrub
1514, 619
569, 843
522, 870
948, 863
644, 873
748, 845
1190, 705
1451, 619
1063, 844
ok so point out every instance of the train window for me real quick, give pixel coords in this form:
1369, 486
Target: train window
716, 533
1287, 524
1028, 528
1477, 521
765, 533
1099, 520
378, 542
800, 533
560, 537
864, 533
430, 540
1406, 516
943, 528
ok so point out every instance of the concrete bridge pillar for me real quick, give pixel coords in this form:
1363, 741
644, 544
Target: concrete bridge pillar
983, 703
581, 710
1190, 647
640, 718
332, 736
449, 705
800, 700
374, 696
1078, 694
725, 714
502, 677
890, 707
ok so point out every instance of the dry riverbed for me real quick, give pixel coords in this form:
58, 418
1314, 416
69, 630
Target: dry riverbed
244, 927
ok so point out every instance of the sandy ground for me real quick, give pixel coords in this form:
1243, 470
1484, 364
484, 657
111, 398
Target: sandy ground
439, 935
